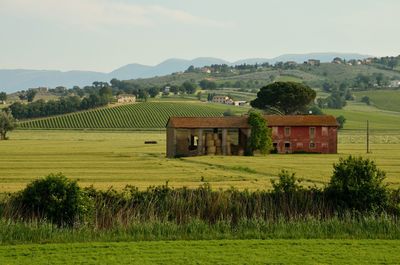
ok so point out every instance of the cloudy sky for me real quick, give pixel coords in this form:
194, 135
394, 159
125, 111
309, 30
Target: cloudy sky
102, 35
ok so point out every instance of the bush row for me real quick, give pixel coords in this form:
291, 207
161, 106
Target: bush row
356, 187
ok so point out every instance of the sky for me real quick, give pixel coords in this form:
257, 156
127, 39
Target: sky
102, 35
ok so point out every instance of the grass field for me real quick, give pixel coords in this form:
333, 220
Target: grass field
116, 159
382, 99
208, 252
357, 114
287, 78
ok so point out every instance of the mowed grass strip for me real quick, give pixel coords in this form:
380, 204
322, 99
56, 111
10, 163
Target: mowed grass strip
208, 252
116, 159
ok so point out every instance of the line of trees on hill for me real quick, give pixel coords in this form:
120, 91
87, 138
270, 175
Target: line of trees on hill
68, 104
88, 97
390, 62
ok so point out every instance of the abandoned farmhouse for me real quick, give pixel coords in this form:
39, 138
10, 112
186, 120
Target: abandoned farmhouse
194, 136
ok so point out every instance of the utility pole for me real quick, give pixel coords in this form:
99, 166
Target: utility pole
368, 137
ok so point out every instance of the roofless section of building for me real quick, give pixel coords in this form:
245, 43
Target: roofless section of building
194, 136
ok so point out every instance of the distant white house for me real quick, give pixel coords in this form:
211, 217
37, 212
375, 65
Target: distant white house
313, 62
227, 100
126, 98
206, 70
394, 83
220, 99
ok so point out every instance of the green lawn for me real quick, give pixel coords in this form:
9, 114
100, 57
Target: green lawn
382, 99
208, 252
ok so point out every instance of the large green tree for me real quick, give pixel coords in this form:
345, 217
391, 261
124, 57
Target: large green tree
7, 123
287, 97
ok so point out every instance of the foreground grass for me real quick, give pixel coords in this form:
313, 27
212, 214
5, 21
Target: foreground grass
208, 252
308, 228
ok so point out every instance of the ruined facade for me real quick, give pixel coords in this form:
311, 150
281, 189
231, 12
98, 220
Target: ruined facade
193, 136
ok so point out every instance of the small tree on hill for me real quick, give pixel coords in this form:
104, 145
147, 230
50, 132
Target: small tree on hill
7, 123
366, 100
341, 120
287, 97
189, 87
260, 138
30, 94
3, 97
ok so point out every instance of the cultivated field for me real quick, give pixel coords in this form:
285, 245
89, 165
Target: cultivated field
208, 252
382, 99
132, 116
116, 159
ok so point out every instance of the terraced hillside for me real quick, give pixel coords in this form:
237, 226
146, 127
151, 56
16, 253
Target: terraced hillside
132, 116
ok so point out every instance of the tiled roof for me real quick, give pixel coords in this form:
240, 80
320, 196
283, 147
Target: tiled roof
241, 122
301, 120
208, 122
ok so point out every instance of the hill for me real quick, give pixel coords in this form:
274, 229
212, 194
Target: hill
133, 116
22, 79
382, 99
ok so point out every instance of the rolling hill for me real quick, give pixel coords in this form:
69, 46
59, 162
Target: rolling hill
12, 80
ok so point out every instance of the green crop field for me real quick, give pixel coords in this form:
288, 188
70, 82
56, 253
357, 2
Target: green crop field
132, 116
208, 252
382, 99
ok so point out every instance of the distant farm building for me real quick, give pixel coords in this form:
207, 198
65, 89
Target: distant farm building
220, 99
394, 83
188, 136
125, 98
227, 100
313, 62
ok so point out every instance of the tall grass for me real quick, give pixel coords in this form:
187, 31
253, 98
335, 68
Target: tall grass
367, 227
163, 213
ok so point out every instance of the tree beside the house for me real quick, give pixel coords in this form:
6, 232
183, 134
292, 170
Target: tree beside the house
261, 137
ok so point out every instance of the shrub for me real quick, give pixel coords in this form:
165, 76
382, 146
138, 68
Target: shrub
55, 198
366, 100
341, 121
288, 183
358, 184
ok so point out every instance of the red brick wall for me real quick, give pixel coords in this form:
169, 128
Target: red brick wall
324, 139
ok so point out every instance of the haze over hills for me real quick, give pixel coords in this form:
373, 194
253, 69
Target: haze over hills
22, 79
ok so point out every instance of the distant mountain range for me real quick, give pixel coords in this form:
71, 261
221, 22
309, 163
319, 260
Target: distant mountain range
21, 79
